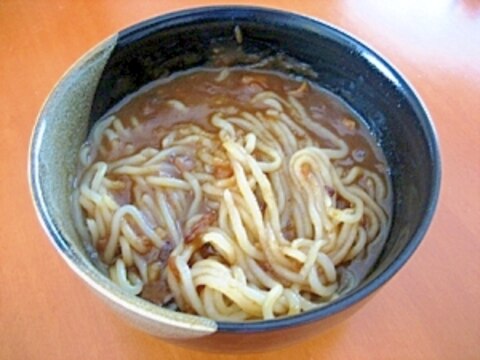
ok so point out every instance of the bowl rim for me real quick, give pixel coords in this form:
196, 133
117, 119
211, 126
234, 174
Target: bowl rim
382, 64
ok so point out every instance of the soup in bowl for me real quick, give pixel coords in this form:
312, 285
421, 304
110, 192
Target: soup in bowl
228, 178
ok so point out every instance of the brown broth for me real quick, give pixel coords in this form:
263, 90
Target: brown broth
203, 94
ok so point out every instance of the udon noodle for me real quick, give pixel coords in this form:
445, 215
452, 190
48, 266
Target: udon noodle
248, 219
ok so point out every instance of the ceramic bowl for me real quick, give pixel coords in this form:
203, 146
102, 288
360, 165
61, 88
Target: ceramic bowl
160, 46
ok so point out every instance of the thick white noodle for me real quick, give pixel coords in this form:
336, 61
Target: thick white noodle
232, 259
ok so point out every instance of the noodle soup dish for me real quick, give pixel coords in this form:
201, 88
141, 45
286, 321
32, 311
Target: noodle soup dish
234, 178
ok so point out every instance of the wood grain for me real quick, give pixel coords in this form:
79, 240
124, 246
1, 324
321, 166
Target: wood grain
428, 311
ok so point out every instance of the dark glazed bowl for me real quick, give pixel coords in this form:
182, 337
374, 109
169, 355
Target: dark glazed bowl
182, 40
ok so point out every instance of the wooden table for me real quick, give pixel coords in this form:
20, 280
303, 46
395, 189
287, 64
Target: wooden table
430, 310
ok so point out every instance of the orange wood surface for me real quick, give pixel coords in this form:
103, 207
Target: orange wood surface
430, 310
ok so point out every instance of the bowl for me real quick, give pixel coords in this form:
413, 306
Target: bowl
163, 45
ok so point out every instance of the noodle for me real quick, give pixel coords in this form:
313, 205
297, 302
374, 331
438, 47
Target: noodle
247, 221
